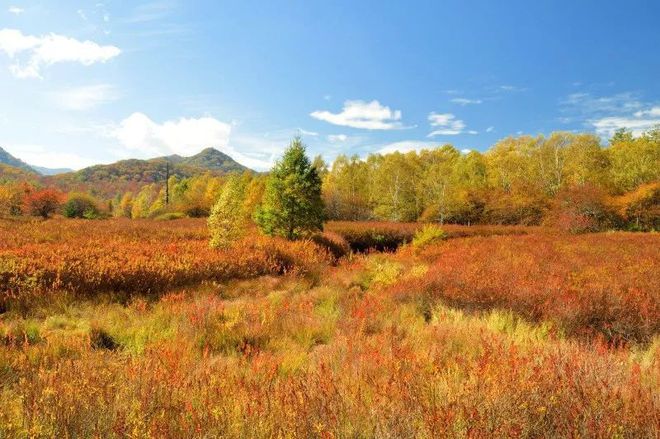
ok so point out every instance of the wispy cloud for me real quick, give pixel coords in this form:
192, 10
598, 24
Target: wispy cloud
405, 146
637, 123
606, 114
447, 124
337, 138
586, 104
307, 133
85, 97
50, 49
510, 88
151, 11
360, 114
464, 101
16, 10
490, 129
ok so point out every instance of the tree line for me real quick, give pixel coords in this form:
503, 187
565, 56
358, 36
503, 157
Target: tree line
565, 179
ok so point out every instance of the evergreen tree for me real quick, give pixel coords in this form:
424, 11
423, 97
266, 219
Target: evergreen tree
292, 205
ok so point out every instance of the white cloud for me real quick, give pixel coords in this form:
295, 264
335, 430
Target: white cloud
360, 114
585, 104
183, 136
606, 114
490, 129
404, 146
446, 124
16, 10
337, 138
50, 49
307, 133
466, 151
653, 112
639, 122
464, 101
85, 97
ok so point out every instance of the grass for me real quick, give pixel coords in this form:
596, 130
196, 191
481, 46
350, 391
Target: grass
455, 339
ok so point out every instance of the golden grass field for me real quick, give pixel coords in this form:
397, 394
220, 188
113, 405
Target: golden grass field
115, 328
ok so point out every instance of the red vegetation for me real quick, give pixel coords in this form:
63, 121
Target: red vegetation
604, 284
136, 257
43, 202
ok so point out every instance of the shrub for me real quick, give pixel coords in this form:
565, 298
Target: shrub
197, 212
43, 202
429, 234
591, 285
581, 209
80, 206
170, 216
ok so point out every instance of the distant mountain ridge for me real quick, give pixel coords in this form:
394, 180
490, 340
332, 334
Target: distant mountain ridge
10, 160
50, 171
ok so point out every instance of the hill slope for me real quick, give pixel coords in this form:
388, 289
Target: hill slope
10, 173
10, 160
130, 175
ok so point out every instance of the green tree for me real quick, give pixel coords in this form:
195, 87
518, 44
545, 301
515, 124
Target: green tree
227, 222
79, 205
292, 206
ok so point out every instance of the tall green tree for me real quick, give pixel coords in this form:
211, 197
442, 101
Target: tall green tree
292, 206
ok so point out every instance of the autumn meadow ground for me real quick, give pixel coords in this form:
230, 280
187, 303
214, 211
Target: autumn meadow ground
116, 328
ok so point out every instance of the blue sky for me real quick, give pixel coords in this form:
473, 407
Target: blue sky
95, 82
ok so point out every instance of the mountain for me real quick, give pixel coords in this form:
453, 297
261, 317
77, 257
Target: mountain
213, 159
8, 159
132, 174
50, 171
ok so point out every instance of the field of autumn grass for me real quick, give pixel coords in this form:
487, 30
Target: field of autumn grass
118, 328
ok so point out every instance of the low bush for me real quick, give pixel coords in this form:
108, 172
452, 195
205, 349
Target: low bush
134, 257
429, 234
81, 206
170, 216
602, 285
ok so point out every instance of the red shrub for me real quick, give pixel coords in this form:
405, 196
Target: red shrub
43, 202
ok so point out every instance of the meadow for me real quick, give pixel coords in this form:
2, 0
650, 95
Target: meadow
117, 328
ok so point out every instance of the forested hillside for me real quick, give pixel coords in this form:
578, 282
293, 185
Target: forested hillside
106, 181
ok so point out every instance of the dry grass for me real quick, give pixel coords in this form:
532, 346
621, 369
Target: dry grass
381, 345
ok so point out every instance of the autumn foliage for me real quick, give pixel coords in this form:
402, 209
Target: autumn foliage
43, 202
130, 258
119, 328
